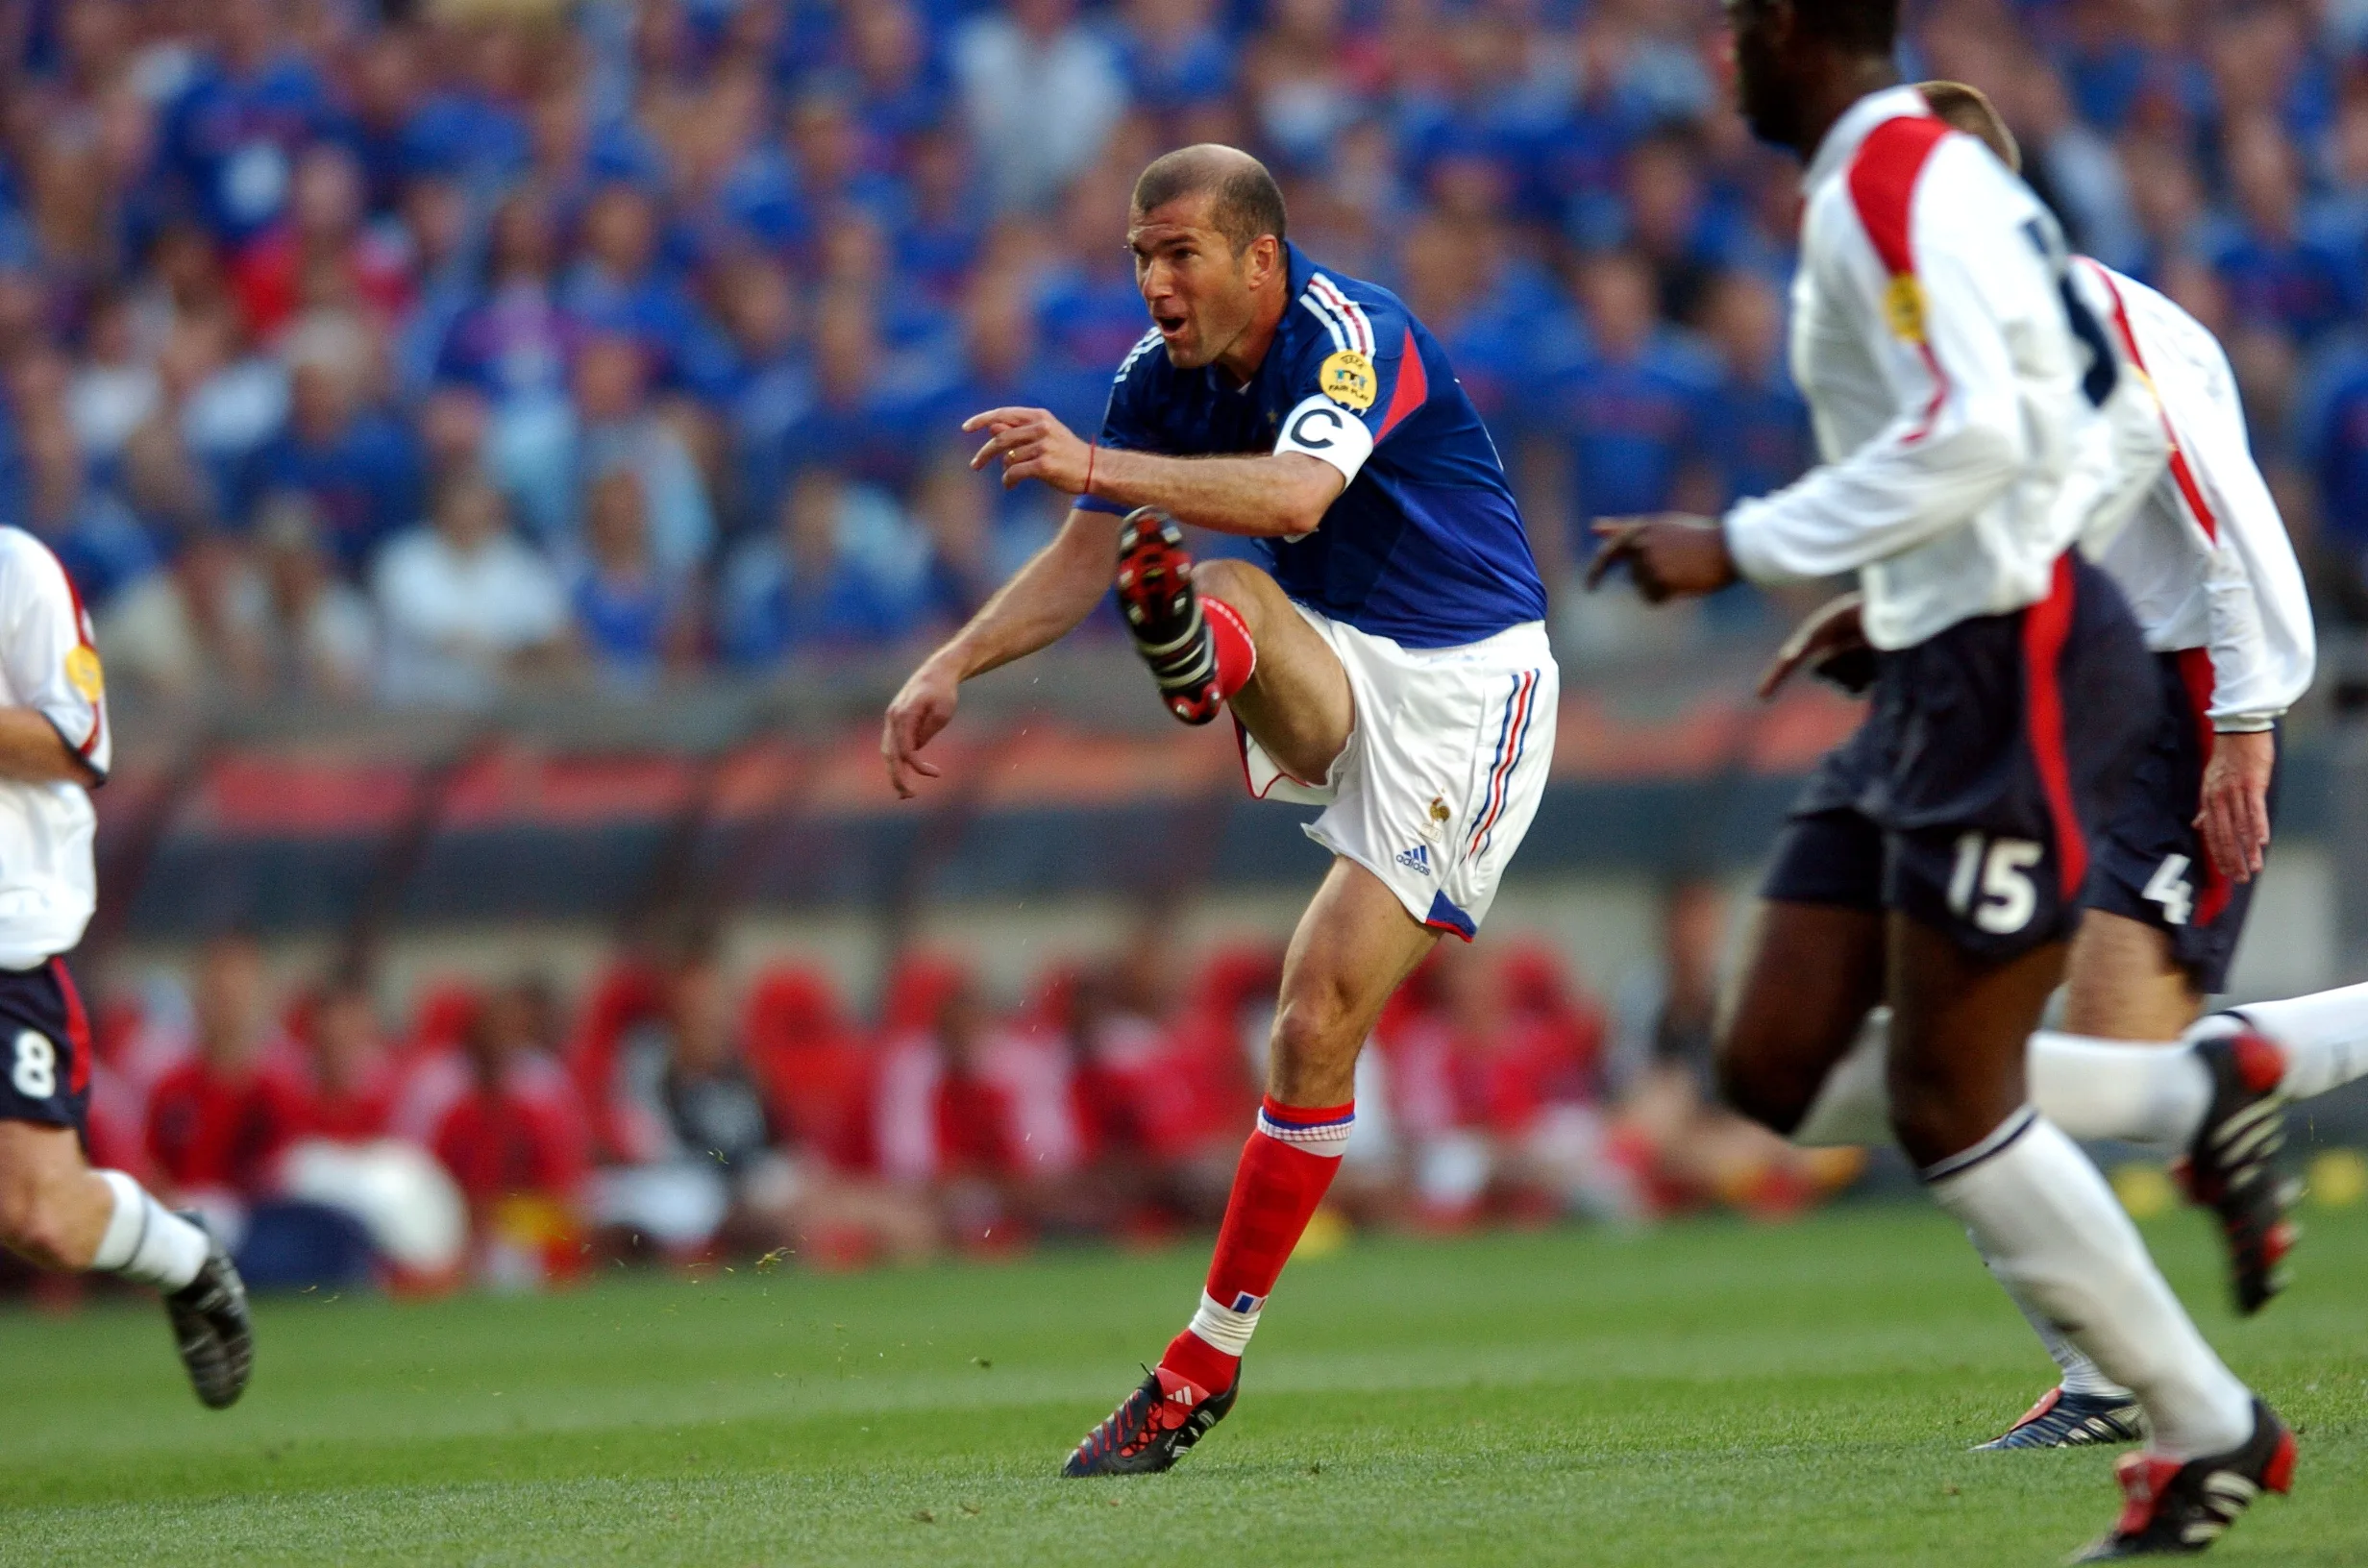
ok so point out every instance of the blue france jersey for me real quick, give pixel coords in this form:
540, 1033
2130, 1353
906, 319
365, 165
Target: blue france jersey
1425, 546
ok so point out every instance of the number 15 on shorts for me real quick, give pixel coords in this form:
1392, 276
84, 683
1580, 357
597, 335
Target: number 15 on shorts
1992, 885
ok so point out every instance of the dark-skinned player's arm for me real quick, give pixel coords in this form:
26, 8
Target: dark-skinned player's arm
1954, 444
1044, 601
1276, 494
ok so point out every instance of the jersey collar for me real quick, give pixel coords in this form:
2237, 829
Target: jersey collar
1856, 123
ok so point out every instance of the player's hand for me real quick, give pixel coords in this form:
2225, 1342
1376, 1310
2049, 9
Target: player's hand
1032, 445
1669, 557
925, 706
1835, 626
2235, 821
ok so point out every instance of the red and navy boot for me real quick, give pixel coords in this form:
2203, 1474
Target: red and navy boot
2176, 1510
1151, 1427
1165, 616
2236, 1166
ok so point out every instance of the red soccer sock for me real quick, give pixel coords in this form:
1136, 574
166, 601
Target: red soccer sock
1237, 656
1287, 1166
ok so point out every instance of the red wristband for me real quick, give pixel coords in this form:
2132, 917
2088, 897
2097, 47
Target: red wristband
1090, 448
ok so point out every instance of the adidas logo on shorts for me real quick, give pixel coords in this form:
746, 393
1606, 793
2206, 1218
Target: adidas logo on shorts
1418, 858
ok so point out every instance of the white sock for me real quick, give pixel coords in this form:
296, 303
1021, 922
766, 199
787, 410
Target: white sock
145, 1241
2325, 1036
2140, 1091
2052, 1230
2081, 1374
1222, 1326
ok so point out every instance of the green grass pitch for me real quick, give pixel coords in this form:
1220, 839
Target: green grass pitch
1711, 1393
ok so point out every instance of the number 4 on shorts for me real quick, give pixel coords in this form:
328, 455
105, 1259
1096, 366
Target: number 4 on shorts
2007, 898
2170, 888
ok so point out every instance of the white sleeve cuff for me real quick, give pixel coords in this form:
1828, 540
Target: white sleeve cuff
1324, 430
1752, 558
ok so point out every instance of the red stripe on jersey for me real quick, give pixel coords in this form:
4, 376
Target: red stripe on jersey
82, 636
2046, 626
2181, 473
76, 1027
1413, 386
1882, 179
2196, 674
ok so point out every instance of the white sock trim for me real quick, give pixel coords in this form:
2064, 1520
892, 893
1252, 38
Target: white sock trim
1327, 1139
2000, 1139
145, 1242
1228, 1329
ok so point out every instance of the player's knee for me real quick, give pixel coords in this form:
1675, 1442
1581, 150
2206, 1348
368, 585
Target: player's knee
1314, 1038
1237, 583
33, 1222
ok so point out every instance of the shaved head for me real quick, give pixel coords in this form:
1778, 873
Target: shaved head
1244, 202
1969, 110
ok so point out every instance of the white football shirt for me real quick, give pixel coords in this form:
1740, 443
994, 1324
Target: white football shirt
48, 884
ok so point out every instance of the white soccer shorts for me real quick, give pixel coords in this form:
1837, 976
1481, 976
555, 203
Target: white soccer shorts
1442, 770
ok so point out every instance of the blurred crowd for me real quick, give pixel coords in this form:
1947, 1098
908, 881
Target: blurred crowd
399, 349
507, 1134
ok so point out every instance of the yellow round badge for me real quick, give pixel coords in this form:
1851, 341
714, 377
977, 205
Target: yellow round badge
1902, 308
1347, 379
83, 673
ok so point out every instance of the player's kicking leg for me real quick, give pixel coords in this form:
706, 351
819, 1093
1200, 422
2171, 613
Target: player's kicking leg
57, 1212
1429, 763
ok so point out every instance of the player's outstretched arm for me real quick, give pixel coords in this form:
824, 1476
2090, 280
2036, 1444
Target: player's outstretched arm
1276, 494
31, 752
1056, 588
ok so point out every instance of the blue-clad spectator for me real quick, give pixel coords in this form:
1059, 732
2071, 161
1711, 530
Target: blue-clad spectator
1755, 422
401, 129
842, 569
360, 467
1090, 305
902, 89
2275, 273
618, 286
1041, 92
939, 229
870, 411
1624, 420
233, 134
1174, 54
614, 426
516, 342
766, 388
94, 535
629, 615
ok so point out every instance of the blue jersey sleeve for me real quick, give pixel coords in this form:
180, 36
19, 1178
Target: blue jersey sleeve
1125, 422
1355, 382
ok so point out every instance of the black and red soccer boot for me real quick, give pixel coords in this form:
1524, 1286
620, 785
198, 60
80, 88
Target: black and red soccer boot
2062, 1419
2172, 1509
1165, 616
2236, 1166
1151, 1427
212, 1329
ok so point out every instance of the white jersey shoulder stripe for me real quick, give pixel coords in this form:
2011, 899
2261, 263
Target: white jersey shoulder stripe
1143, 344
1360, 327
1331, 323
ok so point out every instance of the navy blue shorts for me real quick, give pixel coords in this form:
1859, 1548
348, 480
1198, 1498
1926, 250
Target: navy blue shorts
1992, 756
2150, 864
44, 1048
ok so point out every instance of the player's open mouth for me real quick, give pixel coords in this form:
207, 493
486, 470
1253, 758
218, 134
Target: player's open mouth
1169, 325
